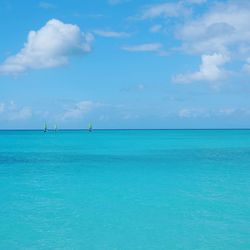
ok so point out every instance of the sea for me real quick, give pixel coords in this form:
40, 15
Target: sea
125, 190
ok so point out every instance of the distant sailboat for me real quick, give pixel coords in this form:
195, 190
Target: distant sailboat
90, 128
45, 127
55, 128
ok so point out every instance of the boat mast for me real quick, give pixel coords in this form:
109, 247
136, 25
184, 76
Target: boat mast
90, 127
45, 127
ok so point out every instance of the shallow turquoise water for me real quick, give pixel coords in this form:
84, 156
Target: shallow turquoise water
186, 189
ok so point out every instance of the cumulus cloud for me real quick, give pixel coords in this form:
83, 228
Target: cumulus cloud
146, 47
111, 34
223, 31
80, 109
210, 70
11, 112
224, 27
49, 47
217, 35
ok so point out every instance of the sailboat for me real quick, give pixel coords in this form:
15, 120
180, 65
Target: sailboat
45, 127
90, 128
55, 128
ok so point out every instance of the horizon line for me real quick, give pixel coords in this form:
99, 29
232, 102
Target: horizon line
85, 129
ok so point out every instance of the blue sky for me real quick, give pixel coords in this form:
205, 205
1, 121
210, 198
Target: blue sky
125, 64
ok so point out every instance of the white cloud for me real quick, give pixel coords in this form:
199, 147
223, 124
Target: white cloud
80, 109
21, 114
164, 10
222, 30
155, 28
246, 67
181, 8
146, 47
46, 5
228, 111
115, 2
210, 70
193, 113
187, 113
11, 112
196, 1
128, 116
224, 27
51, 46
112, 34
2, 106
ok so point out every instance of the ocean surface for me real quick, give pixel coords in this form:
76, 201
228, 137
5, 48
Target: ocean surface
125, 189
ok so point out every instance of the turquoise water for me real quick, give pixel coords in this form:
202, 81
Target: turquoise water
120, 190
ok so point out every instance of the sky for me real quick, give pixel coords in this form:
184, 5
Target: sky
125, 64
